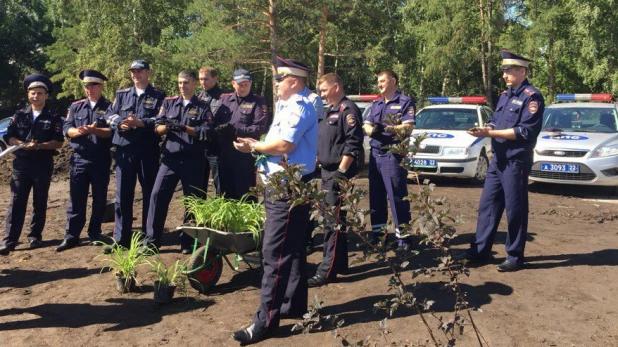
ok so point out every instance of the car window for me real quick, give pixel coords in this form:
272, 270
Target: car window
584, 119
486, 114
447, 119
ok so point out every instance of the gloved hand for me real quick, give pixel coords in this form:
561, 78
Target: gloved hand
226, 132
377, 131
175, 127
340, 176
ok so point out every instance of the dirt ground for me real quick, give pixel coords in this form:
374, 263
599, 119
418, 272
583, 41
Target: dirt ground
567, 295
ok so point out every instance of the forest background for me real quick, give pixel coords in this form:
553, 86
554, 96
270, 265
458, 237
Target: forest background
438, 47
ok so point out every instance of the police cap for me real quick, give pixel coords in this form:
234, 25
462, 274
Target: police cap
241, 75
511, 59
90, 77
139, 64
37, 80
290, 67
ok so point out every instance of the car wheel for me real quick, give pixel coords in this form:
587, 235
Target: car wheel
481, 169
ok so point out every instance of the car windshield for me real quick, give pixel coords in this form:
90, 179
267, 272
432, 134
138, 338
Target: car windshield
581, 119
446, 119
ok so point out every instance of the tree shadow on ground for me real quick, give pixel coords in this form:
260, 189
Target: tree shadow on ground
361, 310
122, 313
605, 257
17, 278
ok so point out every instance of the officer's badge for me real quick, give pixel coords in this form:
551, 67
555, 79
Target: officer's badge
529, 92
533, 107
149, 101
517, 102
351, 120
293, 119
396, 107
246, 105
192, 112
100, 111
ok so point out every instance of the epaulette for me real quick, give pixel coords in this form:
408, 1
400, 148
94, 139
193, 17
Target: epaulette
226, 94
503, 92
343, 107
529, 91
172, 97
78, 102
123, 90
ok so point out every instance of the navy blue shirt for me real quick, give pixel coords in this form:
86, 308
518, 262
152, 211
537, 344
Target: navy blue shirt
340, 133
24, 127
400, 105
196, 115
249, 115
211, 96
521, 109
145, 107
81, 113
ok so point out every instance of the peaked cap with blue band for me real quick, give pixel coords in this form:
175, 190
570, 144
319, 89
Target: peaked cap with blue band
512, 59
37, 80
90, 77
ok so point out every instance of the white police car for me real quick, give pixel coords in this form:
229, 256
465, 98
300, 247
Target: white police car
448, 150
4, 124
579, 142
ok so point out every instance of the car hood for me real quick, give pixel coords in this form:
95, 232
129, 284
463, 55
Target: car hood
575, 140
448, 138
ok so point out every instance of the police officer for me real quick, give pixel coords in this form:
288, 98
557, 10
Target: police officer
184, 120
386, 177
242, 114
38, 132
294, 132
340, 142
132, 119
514, 127
91, 141
211, 94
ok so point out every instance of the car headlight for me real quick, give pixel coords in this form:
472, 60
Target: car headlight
606, 151
455, 151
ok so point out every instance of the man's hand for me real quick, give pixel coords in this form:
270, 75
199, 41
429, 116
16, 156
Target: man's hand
175, 127
377, 131
30, 146
132, 122
479, 131
243, 144
87, 129
226, 132
340, 176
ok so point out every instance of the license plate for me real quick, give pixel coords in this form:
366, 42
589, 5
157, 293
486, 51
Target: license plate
568, 168
431, 163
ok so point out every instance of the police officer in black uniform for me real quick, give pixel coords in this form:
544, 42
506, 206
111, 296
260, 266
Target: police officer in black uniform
340, 142
242, 114
184, 120
38, 132
132, 119
91, 141
514, 127
211, 94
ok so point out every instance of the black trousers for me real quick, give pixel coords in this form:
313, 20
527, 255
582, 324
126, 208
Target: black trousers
28, 174
335, 241
284, 283
212, 168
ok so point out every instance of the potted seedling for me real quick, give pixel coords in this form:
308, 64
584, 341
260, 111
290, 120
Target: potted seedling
168, 279
124, 262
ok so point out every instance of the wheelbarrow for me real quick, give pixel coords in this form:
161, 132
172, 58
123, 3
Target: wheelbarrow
206, 263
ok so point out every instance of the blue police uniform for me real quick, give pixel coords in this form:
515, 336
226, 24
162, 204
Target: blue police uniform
32, 169
316, 101
284, 283
506, 183
90, 163
249, 115
183, 160
137, 154
340, 134
386, 176
212, 97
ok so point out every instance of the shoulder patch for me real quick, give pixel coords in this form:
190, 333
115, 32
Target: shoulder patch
533, 107
123, 90
410, 111
78, 102
529, 91
172, 97
350, 119
293, 119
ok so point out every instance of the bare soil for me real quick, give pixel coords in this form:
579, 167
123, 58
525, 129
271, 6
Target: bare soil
567, 295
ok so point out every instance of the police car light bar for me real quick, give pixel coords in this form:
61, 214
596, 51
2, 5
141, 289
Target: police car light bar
584, 97
363, 97
457, 100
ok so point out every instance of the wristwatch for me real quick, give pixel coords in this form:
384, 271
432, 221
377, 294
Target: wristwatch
342, 170
254, 152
